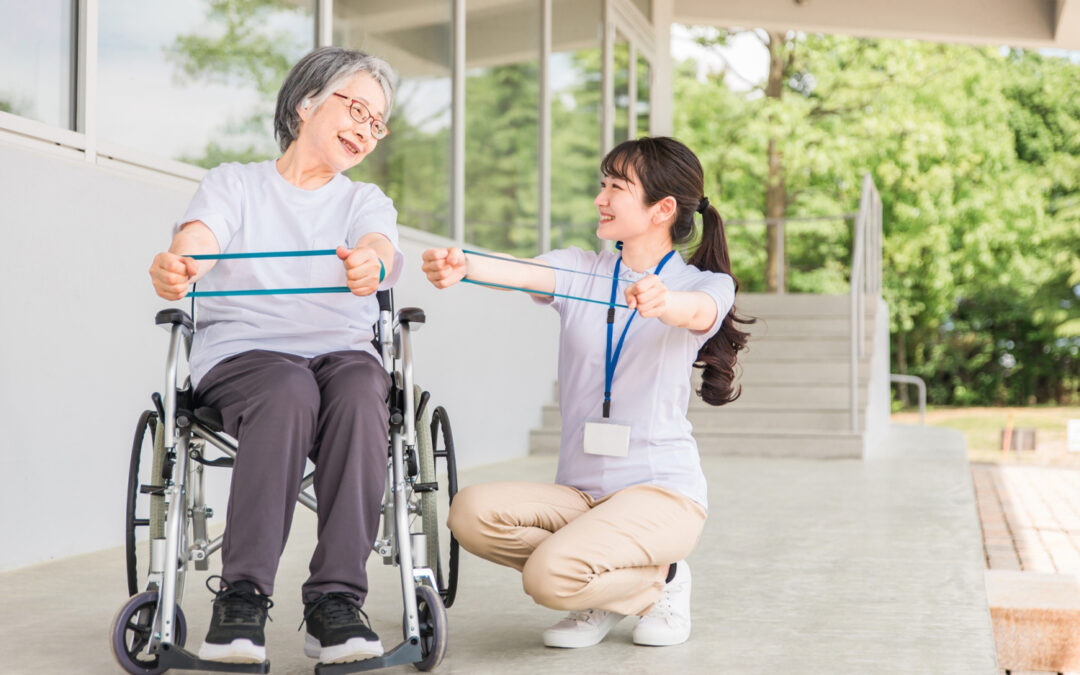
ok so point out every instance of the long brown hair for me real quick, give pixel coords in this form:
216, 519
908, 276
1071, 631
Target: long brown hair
667, 168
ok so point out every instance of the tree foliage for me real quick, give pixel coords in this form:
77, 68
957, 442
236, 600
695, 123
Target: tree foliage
975, 152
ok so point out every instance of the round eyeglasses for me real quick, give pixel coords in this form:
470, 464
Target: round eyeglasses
360, 113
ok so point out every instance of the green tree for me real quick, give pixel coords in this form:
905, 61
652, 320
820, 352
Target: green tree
974, 153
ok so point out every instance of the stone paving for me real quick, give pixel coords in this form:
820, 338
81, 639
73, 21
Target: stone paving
1030, 517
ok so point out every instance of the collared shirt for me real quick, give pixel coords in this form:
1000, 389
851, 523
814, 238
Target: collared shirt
252, 208
651, 388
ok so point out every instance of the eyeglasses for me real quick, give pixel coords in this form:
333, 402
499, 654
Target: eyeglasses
361, 114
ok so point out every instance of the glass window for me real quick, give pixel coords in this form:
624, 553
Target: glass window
412, 164
622, 88
642, 106
502, 94
36, 48
576, 135
196, 80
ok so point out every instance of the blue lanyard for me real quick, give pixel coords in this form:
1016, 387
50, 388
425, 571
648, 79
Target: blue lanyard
611, 361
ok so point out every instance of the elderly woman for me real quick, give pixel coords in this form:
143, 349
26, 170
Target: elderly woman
295, 376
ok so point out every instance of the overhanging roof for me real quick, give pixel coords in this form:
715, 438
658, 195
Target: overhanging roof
1018, 23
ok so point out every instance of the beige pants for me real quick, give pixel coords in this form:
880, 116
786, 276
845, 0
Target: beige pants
575, 552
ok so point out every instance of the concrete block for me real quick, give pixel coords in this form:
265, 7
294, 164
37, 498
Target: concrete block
1036, 619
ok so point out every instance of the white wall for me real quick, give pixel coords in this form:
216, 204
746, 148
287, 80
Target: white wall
878, 410
80, 355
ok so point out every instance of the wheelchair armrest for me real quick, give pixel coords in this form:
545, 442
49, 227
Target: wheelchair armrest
409, 315
174, 317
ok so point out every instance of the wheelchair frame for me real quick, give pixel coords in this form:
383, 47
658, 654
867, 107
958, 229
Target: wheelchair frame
154, 617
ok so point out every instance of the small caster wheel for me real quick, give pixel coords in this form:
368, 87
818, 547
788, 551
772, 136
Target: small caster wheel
131, 634
431, 615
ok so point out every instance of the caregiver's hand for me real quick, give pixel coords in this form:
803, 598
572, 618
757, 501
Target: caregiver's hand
444, 266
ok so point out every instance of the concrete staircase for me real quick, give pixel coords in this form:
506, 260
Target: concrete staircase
795, 385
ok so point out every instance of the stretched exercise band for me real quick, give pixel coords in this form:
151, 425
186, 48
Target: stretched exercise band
554, 295
273, 291
543, 265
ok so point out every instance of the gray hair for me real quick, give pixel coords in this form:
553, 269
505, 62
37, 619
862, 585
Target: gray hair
314, 79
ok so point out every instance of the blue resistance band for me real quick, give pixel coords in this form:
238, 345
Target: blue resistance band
273, 291
529, 290
544, 266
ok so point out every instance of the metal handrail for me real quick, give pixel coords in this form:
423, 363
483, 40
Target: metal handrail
918, 382
865, 280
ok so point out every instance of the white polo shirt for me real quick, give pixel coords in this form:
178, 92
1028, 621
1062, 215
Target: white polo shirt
651, 388
252, 208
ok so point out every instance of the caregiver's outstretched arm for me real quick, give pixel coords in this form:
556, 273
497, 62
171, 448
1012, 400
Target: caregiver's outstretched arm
445, 267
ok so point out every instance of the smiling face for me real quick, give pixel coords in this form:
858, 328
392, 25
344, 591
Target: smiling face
623, 213
331, 134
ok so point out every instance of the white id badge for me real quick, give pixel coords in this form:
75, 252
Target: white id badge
603, 437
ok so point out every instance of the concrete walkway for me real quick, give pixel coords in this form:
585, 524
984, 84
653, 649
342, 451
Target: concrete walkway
846, 566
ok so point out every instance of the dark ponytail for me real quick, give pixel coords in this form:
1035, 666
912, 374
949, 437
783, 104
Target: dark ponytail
667, 168
717, 357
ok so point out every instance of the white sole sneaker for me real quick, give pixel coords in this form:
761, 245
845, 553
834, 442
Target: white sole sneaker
668, 623
355, 649
237, 651
581, 629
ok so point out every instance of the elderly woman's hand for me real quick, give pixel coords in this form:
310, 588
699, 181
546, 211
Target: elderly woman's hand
362, 269
444, 266
171, 274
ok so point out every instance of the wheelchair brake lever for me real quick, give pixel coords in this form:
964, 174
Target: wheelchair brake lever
158, 405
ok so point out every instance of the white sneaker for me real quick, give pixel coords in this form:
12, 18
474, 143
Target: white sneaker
581, 629
668, 623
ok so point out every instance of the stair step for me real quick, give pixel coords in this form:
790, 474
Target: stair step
805, 444
800, 371
796, 348
745, 418
795, 397
799, 305
799, 326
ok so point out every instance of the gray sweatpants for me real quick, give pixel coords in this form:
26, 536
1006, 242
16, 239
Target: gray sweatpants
283, 409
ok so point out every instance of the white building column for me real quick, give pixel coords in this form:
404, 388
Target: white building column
661, 121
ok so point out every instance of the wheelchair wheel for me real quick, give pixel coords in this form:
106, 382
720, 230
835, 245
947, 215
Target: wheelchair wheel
131, 634
443, 442
431, 614
143, 510
429, 501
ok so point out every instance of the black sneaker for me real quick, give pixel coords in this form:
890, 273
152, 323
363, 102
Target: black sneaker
336, 633
236, 627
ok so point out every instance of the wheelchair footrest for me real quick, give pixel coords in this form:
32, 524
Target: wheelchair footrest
404, 653
179, 658
425, 487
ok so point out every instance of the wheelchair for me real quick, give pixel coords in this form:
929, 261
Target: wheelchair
165, 495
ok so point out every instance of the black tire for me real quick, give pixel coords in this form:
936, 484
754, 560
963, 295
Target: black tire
443, 443
431, 615
131, 634
142, 510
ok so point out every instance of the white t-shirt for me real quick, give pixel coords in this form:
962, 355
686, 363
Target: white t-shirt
651, 387
252, 208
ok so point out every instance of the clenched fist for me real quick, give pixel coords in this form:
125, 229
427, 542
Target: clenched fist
171, 274
362, 269
444, 266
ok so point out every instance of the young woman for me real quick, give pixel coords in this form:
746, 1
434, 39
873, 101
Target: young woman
296, 376
609, 538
